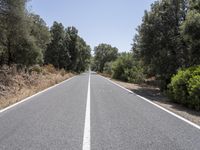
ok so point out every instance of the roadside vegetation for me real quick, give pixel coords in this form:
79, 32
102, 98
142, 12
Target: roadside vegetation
16, 85
31, 53
166, 48
185, 87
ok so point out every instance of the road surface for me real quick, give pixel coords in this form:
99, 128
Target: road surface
105, 118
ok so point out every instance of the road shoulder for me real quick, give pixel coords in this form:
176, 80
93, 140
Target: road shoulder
153, 94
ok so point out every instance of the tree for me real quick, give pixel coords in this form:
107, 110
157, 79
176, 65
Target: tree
127, 68
104, 53
57, 52
3, 14
25, 39
40, 32
17, 45
2, 32
67, 49
190, 30
159, 43
83, 57
72, 34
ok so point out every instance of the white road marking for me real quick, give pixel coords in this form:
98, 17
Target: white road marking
28, 98
86, 138
175, 115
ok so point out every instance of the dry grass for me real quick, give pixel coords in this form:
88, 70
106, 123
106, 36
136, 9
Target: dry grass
104, 74
17, 85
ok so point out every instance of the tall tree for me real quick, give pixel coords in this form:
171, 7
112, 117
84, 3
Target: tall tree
190, 30
83, 57
18, 45
57, 53
104, 53
159, 43
67, 49
3, 8
72, 34
40, 32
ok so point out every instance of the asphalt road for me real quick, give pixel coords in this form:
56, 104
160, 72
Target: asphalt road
119, 120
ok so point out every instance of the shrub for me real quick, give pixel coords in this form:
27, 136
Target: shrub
108, 68
126, 68
35, 68
185, 87
50, 68
123, 62
62, 72
135, 74
194, 92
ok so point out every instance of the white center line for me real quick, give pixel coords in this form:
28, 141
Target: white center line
86, 138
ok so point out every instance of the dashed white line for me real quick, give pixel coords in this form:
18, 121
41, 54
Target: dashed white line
86, 137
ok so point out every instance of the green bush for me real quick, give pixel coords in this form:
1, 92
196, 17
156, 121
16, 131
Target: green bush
194, 91
135, 74
185, 87
126, 68
108, 68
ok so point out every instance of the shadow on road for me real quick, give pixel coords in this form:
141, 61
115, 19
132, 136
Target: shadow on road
156, 96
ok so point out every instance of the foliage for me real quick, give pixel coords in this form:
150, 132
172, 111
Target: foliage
27, 53
72, 37
126, 68
17, 45
67, 49
190, 31
158, 43
56, 52
185, 87
26, 40
108, 68
168, 40
104, 53
39, 31
83, 55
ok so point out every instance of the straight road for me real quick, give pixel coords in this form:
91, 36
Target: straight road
51, 120
122, 121
110, 118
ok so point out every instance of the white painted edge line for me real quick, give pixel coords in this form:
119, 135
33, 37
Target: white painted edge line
86, 137
28, 98
164, 109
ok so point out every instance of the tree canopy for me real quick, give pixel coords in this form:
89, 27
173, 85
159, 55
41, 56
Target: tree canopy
104, 53
162, 43
25, 39
67, 49
190, 30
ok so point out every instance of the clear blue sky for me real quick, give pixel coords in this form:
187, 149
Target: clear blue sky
98, 21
